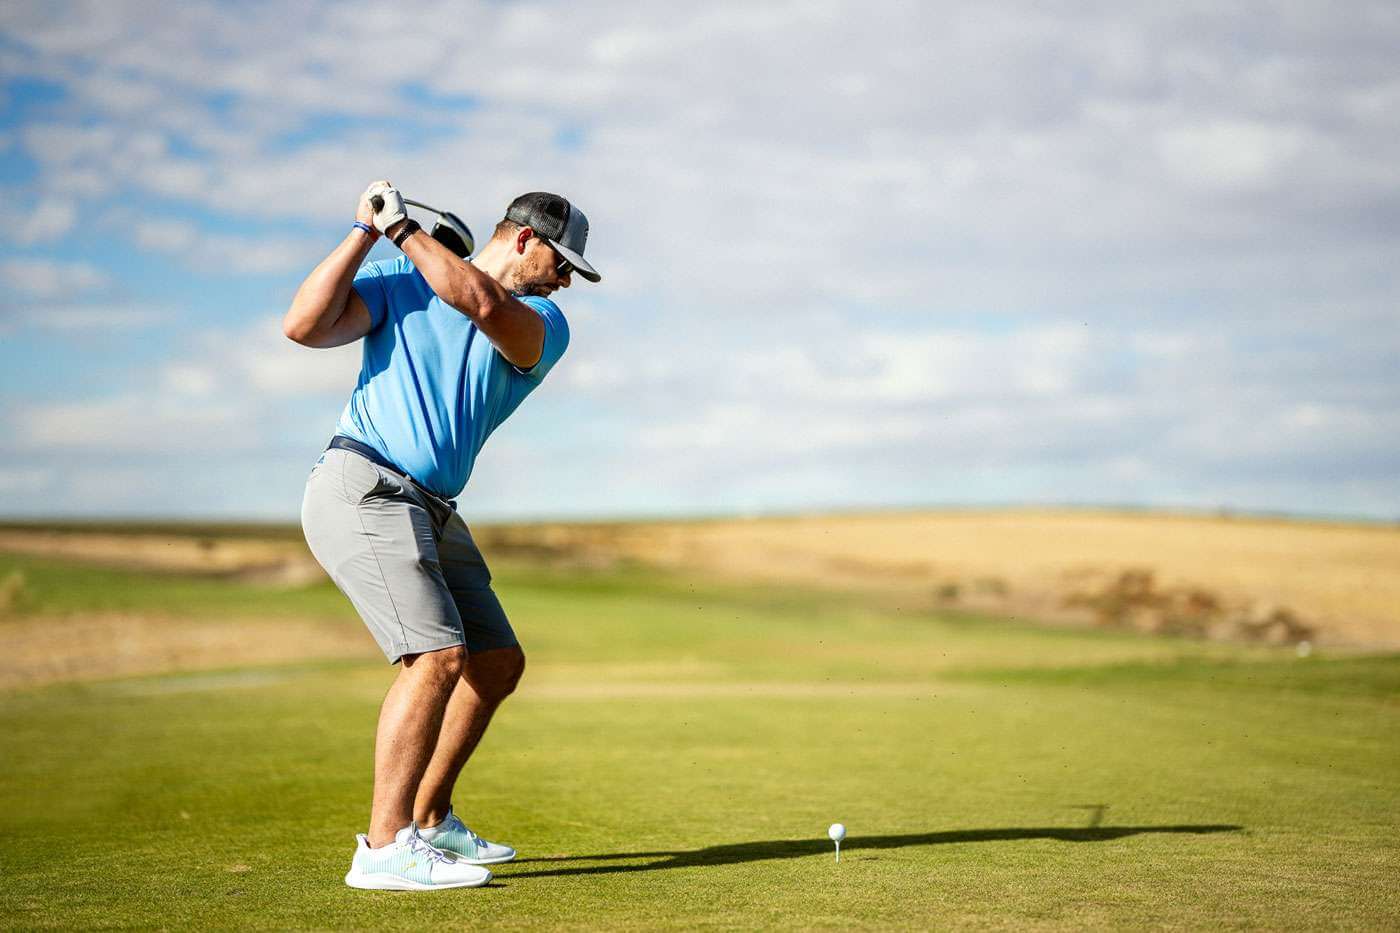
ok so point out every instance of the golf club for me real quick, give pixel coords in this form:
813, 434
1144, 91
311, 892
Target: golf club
449, 230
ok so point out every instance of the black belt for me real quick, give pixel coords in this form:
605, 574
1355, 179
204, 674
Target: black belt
341, 442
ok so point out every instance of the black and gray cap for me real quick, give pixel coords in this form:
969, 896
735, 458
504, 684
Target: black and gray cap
561, 224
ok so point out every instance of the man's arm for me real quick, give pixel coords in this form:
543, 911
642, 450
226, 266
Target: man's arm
325, 311
513, 327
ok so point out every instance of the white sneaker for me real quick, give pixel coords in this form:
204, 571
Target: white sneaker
410, 864
452, 835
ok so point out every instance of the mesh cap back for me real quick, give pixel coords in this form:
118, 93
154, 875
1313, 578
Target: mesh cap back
554, 219
547, 214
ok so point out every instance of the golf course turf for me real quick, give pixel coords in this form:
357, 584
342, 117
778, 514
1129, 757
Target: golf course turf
674, 756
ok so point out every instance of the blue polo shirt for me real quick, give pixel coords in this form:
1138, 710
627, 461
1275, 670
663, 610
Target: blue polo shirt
432, 387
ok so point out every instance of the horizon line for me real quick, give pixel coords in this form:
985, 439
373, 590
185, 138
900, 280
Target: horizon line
1195, 512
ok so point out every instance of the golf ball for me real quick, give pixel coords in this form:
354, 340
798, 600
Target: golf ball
837, 832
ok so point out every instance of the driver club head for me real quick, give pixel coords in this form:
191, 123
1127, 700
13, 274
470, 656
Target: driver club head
449, 230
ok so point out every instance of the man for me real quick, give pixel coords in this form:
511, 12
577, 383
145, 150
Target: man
451, 349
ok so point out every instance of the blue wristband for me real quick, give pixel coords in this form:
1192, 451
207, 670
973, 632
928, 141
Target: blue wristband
361, 225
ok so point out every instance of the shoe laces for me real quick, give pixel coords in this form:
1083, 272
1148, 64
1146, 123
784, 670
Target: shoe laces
476, 840
420, 846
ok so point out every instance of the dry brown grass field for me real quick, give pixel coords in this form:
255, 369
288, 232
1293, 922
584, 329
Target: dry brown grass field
1343, 580
1333, 583
273, 558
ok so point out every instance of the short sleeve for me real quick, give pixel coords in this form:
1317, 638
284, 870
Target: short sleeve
556, 336
373, 283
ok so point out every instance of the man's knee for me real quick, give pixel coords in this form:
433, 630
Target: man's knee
444, 665
517, 670
494, 674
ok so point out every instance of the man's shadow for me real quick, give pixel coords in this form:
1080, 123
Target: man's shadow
797, 848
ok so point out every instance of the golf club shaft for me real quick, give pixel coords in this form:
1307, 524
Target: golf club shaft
377, 203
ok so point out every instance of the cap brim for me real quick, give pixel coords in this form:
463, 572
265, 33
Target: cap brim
578, 262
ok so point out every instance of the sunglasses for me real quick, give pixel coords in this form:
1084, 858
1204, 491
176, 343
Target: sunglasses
563, 267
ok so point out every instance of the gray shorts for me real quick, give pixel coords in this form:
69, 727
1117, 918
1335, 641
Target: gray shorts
404, 557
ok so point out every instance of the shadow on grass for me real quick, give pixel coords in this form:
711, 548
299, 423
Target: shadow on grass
797, 848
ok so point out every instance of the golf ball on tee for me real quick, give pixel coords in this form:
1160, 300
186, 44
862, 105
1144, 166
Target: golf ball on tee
837, 832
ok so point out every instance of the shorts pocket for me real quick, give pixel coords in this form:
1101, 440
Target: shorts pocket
362, 480
385, 486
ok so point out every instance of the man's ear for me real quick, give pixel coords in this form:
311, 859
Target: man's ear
522, 238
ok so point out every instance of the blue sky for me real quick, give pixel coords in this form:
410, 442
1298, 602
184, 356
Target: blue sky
854, 255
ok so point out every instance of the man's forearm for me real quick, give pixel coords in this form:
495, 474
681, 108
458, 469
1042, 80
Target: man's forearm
515, 330
460, 284
320, 301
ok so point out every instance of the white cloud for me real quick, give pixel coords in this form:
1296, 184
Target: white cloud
229, 389
1231, 155
189, 379
50, 219
719, 426
225, 252
262, 358
46, 278
129, 423
64, 144
256, 365
91, 319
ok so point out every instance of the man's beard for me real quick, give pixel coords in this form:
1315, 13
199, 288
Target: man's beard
520, 286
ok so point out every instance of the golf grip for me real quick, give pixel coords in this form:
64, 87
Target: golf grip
377, 203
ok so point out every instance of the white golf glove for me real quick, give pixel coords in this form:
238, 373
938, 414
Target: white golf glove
388, 209
364, 211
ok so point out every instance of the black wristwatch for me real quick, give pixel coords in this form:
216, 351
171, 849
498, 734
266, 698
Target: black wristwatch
409, 228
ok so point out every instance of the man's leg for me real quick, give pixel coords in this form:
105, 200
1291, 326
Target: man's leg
487, 678
409, 722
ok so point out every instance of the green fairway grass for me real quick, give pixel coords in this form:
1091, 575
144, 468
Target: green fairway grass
677, 750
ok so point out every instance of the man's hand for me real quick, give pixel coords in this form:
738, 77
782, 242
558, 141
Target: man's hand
388, 207
364, 211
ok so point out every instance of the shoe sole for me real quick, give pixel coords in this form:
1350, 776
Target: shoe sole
386, 882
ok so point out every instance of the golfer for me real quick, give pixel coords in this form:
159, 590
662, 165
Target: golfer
451, 348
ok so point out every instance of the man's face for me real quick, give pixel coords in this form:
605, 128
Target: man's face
537, 270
